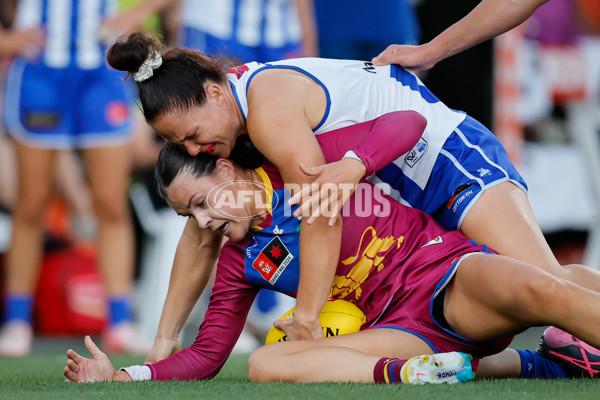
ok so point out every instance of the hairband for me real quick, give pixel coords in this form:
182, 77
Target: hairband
146, 70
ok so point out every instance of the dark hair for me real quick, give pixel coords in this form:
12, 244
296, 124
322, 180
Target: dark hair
173, 160
177, 84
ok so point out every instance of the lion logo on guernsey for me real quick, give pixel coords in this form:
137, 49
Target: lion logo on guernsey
272, 260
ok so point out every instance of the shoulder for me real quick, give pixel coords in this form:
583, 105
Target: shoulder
277, 94
287, 94
278, 82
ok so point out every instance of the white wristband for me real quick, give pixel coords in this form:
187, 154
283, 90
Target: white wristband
138, 372
352, 154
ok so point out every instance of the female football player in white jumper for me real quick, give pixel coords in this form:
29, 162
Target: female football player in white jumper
458, 172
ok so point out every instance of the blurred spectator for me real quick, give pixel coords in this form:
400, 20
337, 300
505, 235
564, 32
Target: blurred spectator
560, 78
63, 96
360, 31
250, 30
247, 29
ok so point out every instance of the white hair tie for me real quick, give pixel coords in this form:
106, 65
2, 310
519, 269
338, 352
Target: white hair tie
152, 62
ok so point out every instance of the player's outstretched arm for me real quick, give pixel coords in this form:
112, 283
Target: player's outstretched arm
490, 18
97, 369
197, 253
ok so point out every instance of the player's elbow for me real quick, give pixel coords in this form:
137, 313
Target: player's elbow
417, 122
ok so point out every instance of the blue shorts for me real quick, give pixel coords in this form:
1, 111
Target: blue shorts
67, 108
471, 161
212, 46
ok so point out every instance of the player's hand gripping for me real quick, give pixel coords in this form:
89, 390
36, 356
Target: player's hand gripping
295, 330
326, 196
162, 348
417, 58
98, 369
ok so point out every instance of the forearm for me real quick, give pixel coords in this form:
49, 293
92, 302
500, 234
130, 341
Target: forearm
490, 18
194, 262
319, 254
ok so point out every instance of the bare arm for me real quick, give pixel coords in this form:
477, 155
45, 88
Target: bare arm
283, 107
490, 18
197, 253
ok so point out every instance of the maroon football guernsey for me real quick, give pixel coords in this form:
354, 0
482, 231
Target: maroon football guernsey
393, 261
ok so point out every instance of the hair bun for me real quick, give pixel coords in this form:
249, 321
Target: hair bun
129, 52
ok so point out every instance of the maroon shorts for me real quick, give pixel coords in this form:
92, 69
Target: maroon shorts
413, 310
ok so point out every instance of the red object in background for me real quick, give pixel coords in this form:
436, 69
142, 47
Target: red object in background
70, 297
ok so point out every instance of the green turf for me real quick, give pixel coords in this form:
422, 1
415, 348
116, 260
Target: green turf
40, 377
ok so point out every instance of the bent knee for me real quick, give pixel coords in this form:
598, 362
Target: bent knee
260, 366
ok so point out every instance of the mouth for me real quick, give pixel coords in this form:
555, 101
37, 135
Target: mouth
223, 227
210, 148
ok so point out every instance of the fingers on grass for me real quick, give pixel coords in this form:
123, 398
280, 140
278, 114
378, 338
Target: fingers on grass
73, 366
70, 375
74, 356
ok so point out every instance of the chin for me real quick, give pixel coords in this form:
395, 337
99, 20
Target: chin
238, 234
235, 237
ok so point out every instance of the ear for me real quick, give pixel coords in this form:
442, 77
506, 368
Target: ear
214, 92
225, 168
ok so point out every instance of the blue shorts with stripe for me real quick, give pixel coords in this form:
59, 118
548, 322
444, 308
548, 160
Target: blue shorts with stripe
471, 161
66, 108
213, 46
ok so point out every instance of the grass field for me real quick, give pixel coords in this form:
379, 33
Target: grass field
40, 377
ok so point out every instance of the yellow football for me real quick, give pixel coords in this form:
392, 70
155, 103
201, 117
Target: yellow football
337, 317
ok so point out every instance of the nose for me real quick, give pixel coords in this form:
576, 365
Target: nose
193, 149
202, 219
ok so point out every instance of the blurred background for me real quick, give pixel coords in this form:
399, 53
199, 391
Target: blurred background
536, 87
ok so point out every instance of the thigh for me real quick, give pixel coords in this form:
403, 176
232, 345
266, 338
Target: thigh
108, 170
503, 219
484, 301
35, 173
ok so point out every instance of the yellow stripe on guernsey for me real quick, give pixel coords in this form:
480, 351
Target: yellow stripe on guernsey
268, 192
